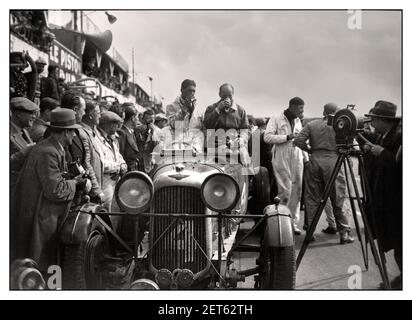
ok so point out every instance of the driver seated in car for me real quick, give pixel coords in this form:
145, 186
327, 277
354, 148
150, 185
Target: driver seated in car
227, 115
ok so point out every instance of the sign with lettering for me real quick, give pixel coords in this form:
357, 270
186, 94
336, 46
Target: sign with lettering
70, 64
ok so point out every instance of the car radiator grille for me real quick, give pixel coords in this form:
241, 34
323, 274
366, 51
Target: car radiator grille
177, 248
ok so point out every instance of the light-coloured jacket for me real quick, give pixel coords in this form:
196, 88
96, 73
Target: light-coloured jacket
112, 161
176, 111
94, 159
277, 130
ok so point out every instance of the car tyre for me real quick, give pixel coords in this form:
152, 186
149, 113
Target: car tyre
279, 269
81, 265
261, 191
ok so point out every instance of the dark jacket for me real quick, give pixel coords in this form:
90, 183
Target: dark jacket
50, 88
76, 152
19, 139
42, 199
145, 143
128, 148
234, 118
387, 192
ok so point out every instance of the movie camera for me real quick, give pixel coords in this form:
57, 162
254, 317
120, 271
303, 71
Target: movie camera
347, 125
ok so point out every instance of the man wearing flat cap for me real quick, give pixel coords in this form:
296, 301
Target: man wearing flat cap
114, 165
160, 120
386, 204
24, 113
318, 139
40, 125
43, 194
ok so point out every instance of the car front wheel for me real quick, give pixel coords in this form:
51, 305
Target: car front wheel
82, 263
279, 268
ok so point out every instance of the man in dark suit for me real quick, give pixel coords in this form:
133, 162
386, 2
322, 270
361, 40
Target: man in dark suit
387, 185
127, 139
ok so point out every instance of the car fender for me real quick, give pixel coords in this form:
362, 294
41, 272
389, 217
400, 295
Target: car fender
78, 225
279, 229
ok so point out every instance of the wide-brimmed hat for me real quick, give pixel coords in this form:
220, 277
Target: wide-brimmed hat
384, 110
62, 118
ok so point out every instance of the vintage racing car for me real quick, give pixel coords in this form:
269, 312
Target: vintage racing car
180, 228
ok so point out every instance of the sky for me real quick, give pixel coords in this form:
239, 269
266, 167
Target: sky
268, 56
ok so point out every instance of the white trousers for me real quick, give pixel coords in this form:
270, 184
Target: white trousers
287, 162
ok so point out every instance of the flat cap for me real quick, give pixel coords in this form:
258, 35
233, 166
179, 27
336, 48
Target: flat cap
24, 104
160, 116
109, 116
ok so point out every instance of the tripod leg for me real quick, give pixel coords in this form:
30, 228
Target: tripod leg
355, 217
319, 210
375, 252
366, 196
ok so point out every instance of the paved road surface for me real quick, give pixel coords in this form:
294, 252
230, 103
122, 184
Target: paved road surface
326, 264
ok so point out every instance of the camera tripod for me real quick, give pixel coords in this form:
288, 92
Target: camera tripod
344, 154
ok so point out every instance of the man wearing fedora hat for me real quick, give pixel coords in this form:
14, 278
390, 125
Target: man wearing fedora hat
386, 204
43, 194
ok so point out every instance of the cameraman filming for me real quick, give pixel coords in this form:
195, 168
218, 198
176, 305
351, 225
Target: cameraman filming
318, 139
386, 205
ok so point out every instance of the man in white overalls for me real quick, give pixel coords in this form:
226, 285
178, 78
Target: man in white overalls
287, 159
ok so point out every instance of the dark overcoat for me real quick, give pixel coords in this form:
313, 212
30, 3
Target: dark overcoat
42, 197
387, 192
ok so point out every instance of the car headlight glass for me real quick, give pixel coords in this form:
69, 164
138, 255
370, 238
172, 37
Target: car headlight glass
134, 192
220, 192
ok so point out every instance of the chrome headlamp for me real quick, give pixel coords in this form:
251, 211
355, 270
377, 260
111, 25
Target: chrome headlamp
220, 192
134, 192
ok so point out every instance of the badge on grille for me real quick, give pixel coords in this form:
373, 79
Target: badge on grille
178, 176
